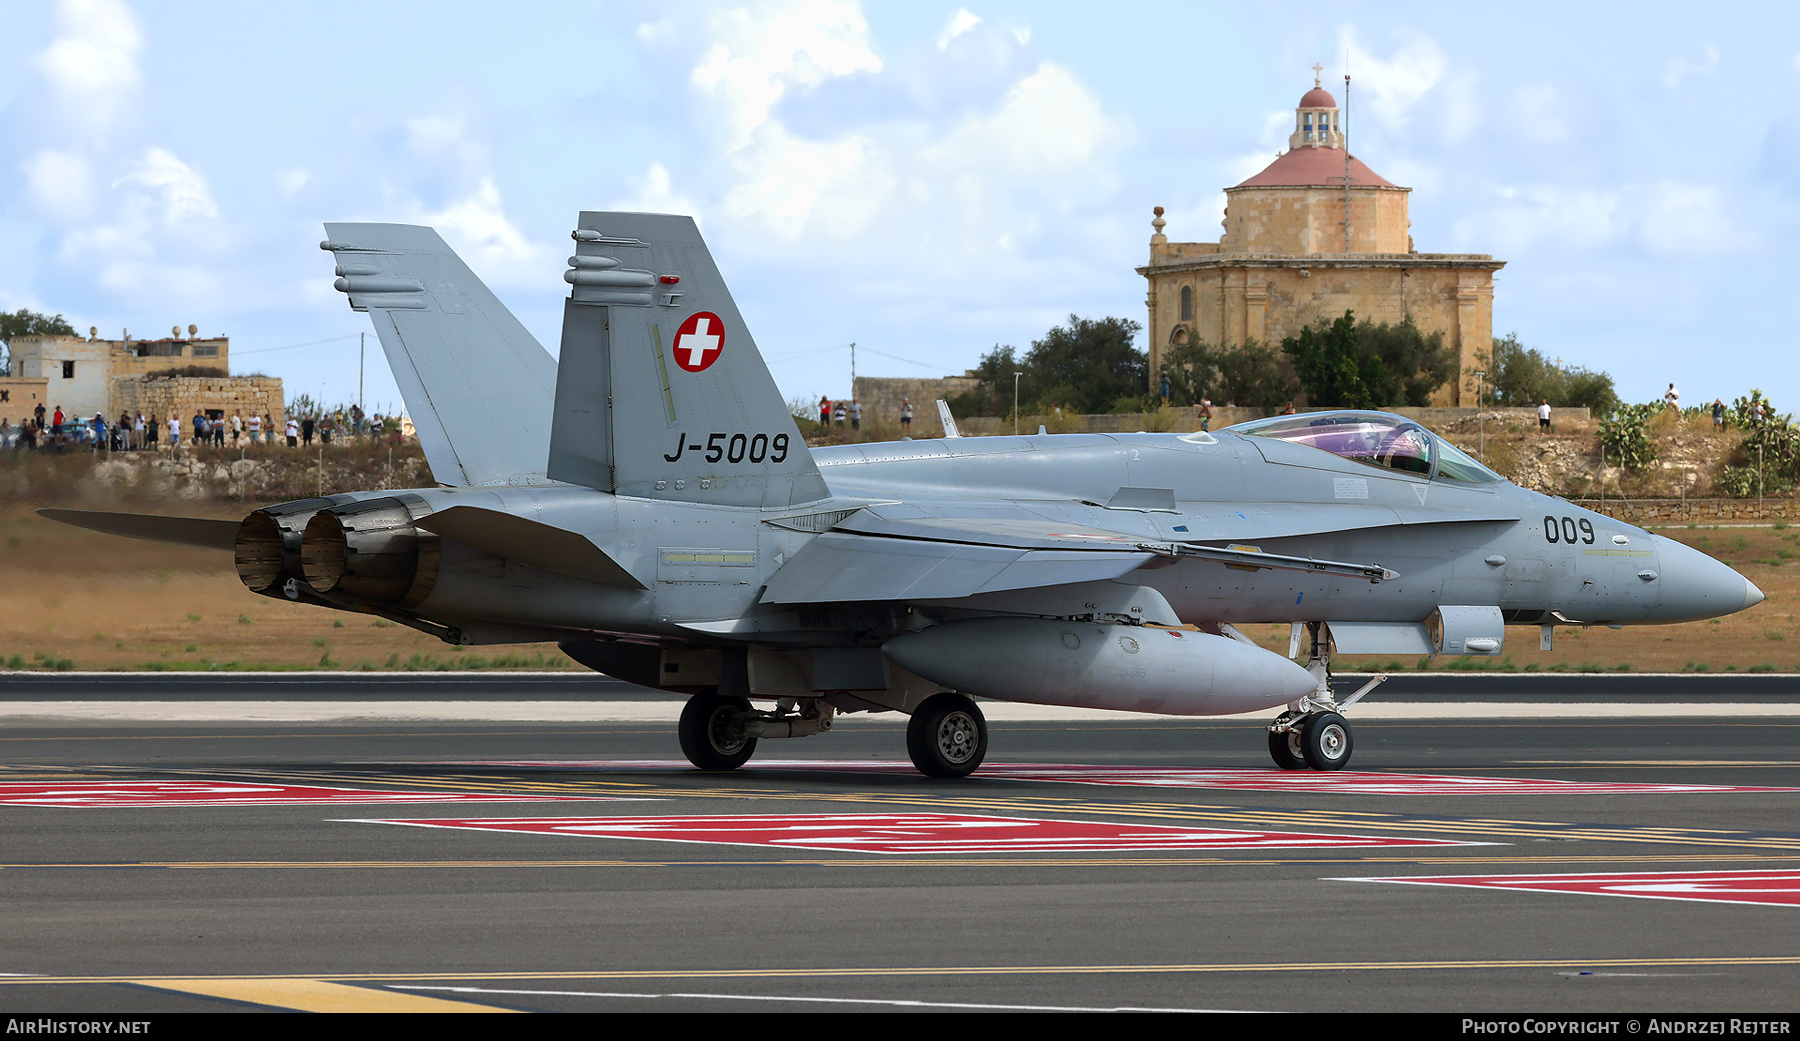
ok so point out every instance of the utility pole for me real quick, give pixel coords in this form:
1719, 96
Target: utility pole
852, 370
1346, 161
362, 342
1016, 376
1480, 420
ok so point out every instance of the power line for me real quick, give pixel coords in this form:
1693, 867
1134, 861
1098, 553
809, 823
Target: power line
291, 346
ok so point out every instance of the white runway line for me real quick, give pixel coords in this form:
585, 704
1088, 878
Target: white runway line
15, 713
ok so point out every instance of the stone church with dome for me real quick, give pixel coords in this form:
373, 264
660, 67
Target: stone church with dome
1313, 235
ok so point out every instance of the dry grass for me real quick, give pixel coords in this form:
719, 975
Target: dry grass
82, 600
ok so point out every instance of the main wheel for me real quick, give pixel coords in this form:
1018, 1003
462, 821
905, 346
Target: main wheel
947, 736
712, 737
1325, 741
1285, 748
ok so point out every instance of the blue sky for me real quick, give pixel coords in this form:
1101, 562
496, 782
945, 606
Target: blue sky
925, 179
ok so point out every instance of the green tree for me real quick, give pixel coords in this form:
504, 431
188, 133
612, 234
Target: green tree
1329, 361
1410, 364
1086, 366
1249, 375
1350, 364
27, 323
1522, 377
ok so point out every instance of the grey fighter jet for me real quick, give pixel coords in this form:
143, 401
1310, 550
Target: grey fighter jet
668, 526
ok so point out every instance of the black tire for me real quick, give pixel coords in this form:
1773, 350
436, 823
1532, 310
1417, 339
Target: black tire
947, 736
1325, 741
1285, 748
706, 732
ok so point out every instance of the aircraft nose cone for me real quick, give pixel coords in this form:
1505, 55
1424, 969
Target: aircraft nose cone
1695, 586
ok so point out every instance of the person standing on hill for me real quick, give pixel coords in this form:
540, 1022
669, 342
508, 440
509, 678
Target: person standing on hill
905, 415
1544, 416
293, 432
1719, 415
1672, 398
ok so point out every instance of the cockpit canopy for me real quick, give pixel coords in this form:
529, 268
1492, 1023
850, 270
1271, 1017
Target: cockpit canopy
1377, 439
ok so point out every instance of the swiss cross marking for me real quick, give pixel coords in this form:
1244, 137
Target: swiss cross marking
699, 341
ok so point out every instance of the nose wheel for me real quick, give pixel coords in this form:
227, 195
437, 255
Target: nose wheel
1313, 740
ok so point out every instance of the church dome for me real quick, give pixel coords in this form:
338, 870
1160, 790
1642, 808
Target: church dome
1315, 167
1318, 97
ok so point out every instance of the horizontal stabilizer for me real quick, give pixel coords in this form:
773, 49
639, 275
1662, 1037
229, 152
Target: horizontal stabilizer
529, 542
186, 531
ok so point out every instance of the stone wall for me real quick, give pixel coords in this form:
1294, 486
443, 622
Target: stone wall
881, 397
182, 396
1188, 418
1671, 512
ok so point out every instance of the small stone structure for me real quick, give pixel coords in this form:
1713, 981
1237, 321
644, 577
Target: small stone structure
216, 396
881, 397
85, 376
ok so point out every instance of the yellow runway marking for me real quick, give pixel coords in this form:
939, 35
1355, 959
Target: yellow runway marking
194, 983
309, 995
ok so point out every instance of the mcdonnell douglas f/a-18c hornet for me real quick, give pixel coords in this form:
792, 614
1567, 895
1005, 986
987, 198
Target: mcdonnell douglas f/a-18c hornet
668, 526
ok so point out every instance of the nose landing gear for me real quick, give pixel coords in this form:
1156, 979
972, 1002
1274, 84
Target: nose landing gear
1313, 733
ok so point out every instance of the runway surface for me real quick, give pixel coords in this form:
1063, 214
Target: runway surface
1496, 864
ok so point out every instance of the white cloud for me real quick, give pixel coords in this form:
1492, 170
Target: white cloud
960, 22
1681, 219
654, 192
1525, 217
1666, 219
1540, 114
1682, 68
176, 192
1392, 87
60, 183
292, 181
758, 56
966, 171
91, 66
788, 178
477, 227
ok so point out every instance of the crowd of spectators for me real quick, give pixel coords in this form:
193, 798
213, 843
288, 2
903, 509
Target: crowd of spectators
52, 430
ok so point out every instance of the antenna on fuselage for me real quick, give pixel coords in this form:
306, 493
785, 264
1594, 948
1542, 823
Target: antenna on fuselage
947, 419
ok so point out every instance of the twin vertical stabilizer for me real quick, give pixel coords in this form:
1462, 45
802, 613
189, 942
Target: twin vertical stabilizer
476, 383
660, 391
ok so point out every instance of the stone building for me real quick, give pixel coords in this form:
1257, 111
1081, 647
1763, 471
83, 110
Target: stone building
176, 375
1314, 234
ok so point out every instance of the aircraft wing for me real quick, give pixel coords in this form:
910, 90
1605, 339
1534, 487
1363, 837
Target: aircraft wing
1045, 525
946, 551
840, 566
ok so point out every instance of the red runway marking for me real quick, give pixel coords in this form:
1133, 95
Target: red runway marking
89, 794
1343, 782
1731, 887
913, 833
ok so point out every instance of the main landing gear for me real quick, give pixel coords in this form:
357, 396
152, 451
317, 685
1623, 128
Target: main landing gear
947, 736
1313, 733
